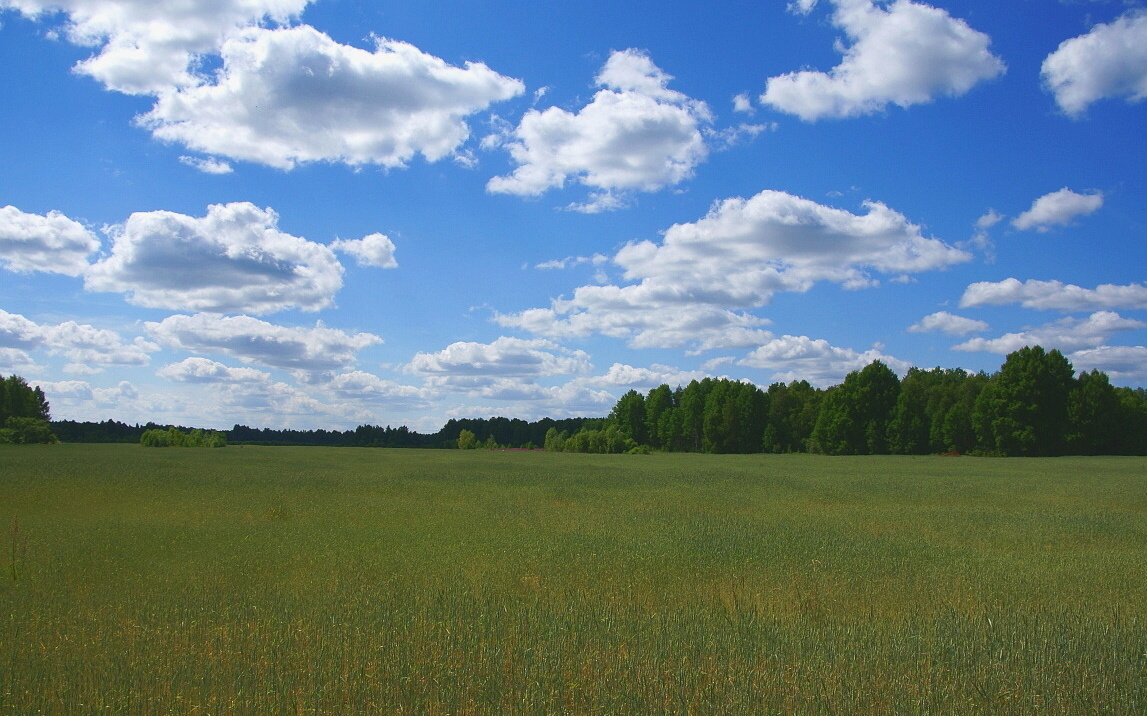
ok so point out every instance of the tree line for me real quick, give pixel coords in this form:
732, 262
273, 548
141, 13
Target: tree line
490, 432
1033, 406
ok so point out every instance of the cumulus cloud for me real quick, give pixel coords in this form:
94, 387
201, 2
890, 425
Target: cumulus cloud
1045, 295
14, 360
944, 322
1067, 334
373, 250
693, 288
89, 349
1056, 209
203, 370
505, 362
310, 350
1108, 62
292, 95
79, 400
370, 389
1123, 364
635, 135
533, 402
623, 376
51, 243
233, 260
815, 360
206, 165
622, 312
904, 54
145, 47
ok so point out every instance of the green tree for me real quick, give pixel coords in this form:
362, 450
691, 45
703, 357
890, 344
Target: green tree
467, 440
657, 403
1022, 411
24, 413
855, 416
689, 417
934, 412
1094, 416
20, 400
555, 440
792, 415
629, 416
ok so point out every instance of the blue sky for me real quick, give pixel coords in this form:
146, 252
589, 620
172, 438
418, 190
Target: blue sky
285, 213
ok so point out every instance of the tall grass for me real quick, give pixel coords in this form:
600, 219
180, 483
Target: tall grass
282, 581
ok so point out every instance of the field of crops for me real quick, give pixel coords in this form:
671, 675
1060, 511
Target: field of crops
308, 580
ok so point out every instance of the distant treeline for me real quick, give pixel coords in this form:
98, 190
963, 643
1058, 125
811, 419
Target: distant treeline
500, 432
1033, 406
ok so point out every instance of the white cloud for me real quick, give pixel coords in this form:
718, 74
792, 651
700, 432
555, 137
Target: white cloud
1123, 364
370, 389
1109, 61
67, 391
233, 260
981, 239
310, 350
292, 95
372, 250
743, 103
79, 400
945, 322
1066, 334
14, 360
802, 7
623, 376
623, 312
635, 135
1057, 208
534, 402
145, 47
570, 261
207, 166
51, 243
905, 54
814, 360
18, 332
280, 405
89, 349
203, 370
1045, 295
473, 365
692, 288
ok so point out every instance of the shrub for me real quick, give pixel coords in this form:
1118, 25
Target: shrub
24, 431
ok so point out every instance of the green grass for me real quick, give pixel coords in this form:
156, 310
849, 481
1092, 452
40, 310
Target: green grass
310, 580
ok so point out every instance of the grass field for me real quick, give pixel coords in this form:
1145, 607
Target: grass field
346, 581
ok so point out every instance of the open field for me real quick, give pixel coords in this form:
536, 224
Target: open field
310, 580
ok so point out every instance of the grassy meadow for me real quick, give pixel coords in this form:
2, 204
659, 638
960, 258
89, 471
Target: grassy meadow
352, 581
